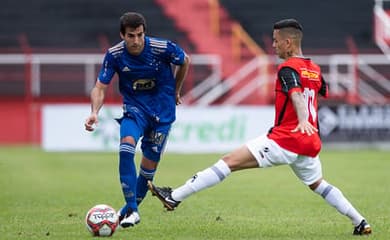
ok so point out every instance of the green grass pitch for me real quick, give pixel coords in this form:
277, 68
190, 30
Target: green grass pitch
46, 196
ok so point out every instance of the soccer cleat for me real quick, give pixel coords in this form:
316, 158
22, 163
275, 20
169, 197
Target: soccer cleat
362, 229
130, 219
164, 194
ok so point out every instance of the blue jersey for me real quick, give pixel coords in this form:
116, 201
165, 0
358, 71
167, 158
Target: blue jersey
146, 81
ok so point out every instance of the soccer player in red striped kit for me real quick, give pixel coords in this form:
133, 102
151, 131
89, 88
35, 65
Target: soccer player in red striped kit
294, 139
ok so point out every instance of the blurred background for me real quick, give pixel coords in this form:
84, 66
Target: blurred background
51, 51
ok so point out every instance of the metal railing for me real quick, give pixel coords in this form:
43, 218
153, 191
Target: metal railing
33, 64
350, 78
364, 78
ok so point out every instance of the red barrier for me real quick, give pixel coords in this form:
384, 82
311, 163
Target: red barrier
20, 123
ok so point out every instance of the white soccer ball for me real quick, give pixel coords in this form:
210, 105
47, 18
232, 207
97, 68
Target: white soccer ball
101, 220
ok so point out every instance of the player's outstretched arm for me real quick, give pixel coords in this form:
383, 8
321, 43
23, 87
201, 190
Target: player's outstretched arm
97, 99
304, 126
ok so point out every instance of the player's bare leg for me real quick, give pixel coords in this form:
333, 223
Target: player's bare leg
239, 159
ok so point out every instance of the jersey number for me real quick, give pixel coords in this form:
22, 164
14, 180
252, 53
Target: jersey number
309, 96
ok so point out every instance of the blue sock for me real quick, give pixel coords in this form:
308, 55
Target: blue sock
143, 177
128, 176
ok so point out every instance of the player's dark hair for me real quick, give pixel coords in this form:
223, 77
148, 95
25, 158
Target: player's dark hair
131, 20
288, 23
290, 27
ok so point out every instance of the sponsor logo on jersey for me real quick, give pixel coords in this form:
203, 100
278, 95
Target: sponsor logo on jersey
143, 84
312, 75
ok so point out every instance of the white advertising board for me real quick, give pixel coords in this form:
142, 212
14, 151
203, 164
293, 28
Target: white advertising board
196, 129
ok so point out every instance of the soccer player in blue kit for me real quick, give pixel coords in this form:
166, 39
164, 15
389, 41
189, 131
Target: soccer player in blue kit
150, 87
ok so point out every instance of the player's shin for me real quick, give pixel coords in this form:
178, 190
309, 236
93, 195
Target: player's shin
335, 198
204, 179
144, 176
128, 175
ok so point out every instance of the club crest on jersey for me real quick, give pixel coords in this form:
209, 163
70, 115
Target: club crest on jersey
143, 84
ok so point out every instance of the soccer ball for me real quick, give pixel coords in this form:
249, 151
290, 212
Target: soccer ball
101, 220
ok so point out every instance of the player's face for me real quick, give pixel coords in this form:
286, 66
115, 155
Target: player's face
134, 39
280, 44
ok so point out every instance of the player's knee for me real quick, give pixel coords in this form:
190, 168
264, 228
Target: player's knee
148, 164
229, 161
314, 185
240, 161
128, 139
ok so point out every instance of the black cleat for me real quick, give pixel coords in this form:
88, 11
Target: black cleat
164, 194
362, 229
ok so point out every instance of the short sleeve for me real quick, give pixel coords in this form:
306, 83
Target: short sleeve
324, 90
289, 79
107, 71
175, 53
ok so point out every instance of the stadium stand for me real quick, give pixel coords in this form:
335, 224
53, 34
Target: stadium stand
73, 25
328, 24
67, 26
202, 26
335, 27
204, 37
217, 33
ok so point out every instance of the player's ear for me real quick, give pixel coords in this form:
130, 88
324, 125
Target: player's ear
288, 41
122, 36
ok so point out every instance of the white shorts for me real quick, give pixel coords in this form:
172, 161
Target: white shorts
268, 153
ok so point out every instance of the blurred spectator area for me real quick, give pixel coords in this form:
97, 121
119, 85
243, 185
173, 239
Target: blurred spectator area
327, 24
230, 41
73, 25
67, 27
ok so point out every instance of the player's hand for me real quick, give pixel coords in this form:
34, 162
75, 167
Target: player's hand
305, 127
178, 99
90, 121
